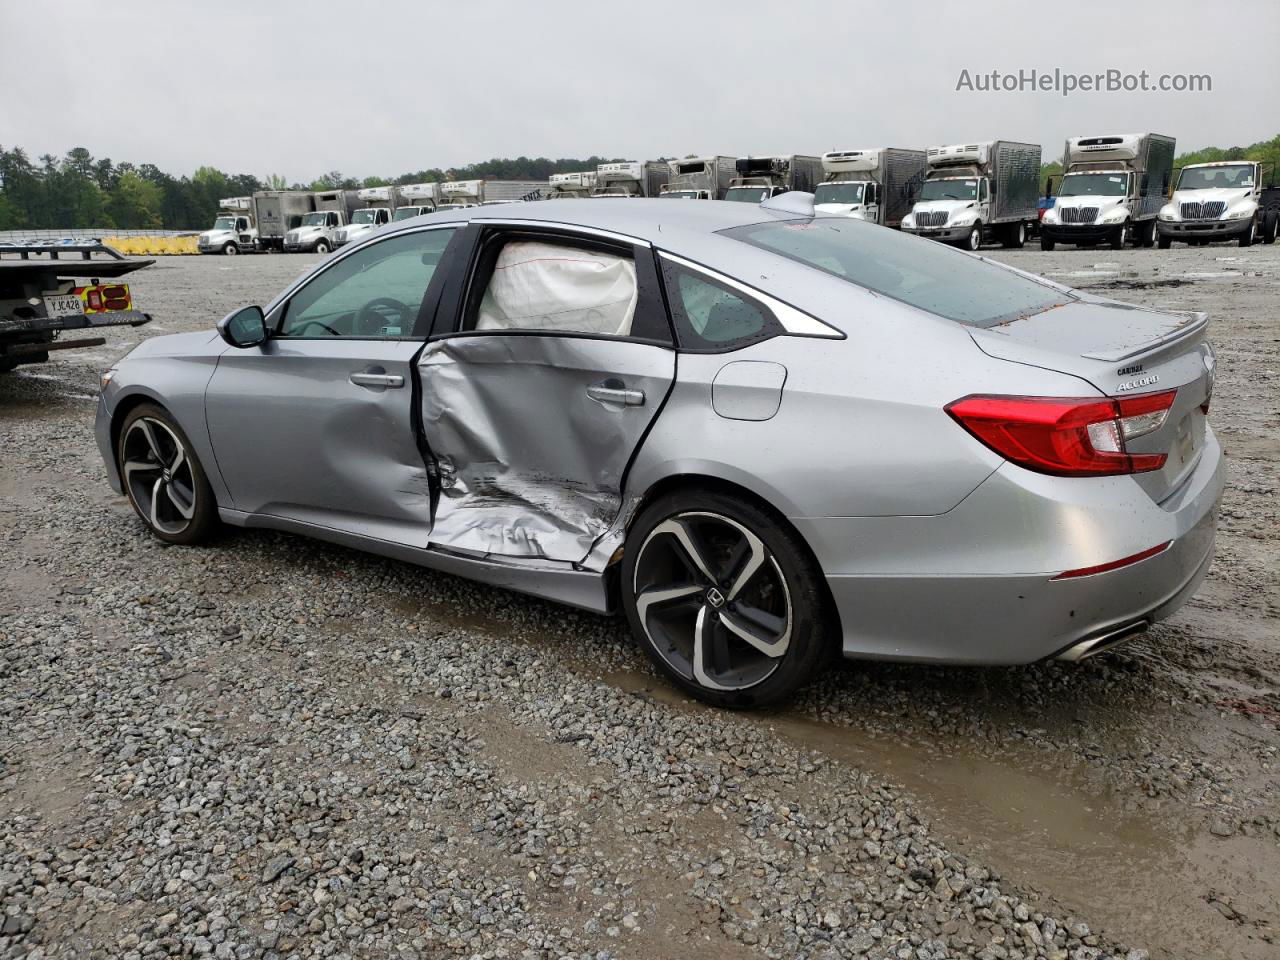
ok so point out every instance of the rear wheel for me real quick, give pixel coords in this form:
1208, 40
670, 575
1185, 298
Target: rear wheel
1147, 234
1120, 236
1164, 243
1046, 244
163, 477
1272, 227
723, 600
1246, 238
1015, 236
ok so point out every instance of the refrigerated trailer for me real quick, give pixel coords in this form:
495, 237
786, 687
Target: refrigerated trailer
279, 211
568, 186
1112, 189
700, 178
876, 185
415, 199
978, 192
375, 211
632, 178
234, 230
759, 178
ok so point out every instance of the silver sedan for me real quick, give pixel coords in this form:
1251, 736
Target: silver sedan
763, 436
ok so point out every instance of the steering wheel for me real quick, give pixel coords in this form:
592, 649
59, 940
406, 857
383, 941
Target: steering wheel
381, 312
297, 331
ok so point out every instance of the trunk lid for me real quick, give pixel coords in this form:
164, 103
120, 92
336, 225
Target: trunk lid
1124, 350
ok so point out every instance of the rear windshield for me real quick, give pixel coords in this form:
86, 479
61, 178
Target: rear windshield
922, 273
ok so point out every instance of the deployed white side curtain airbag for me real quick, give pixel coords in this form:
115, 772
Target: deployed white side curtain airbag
542, 286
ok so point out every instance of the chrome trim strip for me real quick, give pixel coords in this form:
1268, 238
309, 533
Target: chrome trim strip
573, 227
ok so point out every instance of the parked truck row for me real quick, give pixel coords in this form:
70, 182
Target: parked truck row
1114, 189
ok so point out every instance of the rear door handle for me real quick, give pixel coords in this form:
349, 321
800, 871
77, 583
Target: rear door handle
614, 391
377, 380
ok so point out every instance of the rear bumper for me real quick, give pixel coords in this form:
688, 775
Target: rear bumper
957, 590
1199, 229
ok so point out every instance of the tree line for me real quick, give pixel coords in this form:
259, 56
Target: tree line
79, 191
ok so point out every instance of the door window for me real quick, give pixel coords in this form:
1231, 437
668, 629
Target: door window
535, 285
373, 293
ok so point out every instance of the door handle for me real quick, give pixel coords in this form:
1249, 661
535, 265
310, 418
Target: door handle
614, 391
377, 380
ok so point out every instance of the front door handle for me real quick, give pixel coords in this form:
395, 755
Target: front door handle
383, 380
615, 391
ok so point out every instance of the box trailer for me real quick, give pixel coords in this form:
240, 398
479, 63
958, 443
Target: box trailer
759, 178
632, 178
700, 178
279, 211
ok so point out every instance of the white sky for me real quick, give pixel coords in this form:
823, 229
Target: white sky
299, 87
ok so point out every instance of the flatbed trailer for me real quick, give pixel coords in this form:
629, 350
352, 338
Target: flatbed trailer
50, 287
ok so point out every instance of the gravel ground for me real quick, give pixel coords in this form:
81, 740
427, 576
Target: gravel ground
272, 747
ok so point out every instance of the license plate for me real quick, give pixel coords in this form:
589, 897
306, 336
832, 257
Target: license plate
63, 305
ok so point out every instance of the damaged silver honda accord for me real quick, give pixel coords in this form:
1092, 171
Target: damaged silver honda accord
762, 435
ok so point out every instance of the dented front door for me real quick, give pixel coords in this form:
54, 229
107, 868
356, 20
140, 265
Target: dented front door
532, 435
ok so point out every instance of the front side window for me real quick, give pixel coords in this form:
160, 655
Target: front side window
921, 273
710, 314
373, 293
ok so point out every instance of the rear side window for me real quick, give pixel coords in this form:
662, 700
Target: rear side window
712, 316
918, 272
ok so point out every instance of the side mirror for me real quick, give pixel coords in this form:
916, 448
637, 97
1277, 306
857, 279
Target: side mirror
1048, 187
246, 327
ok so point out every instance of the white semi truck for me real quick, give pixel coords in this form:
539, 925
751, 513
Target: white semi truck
1112, 189
234, 229
976, 192
569, 186
759, 178
375, 212
631, 178
1224, 200
876, 185
700, 178
319, 229
415, 199
276, 212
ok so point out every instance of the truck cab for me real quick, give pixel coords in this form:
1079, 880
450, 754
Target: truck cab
233, 230
367, 219
978, 191
315, 234
850, 189
408, 213
1218, 201
699, 178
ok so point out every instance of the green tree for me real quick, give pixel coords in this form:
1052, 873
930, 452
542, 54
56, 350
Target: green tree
136, 203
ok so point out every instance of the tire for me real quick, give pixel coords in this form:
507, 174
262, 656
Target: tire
692, 625
1247, 238
163, 478
1164, 243
1015, 236
230, 249
321, 246
1147, 234
1120, 236
1272, 227
1046, 244
973, 242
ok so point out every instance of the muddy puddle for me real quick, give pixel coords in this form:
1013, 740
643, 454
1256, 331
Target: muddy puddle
1178, 891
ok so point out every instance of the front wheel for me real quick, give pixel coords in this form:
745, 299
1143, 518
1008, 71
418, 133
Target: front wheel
1246, 238
322, 246
1046, 244
723, 599
163, 477
973, 241
1120, 236
230, 249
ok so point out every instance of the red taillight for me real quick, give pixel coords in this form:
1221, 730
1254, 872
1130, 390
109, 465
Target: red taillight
1115, 564
1066, 436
